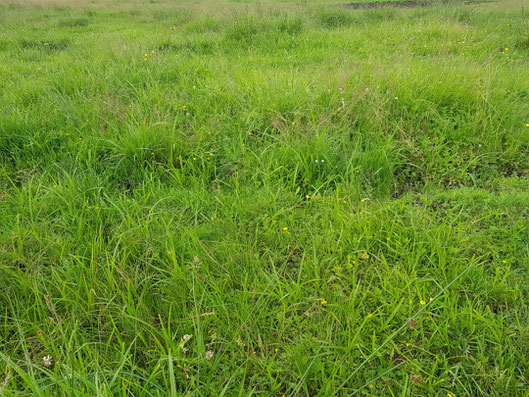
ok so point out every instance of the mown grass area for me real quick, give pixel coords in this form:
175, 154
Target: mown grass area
263, 198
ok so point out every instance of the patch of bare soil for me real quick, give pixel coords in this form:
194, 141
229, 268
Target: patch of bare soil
404, 4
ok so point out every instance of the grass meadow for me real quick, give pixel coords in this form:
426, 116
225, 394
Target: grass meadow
263, 198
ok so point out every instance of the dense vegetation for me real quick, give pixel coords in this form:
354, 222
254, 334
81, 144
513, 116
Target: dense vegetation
263, 198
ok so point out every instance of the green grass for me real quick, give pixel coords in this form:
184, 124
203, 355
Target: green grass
327, 201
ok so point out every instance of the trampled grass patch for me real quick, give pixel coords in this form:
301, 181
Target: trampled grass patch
278, 198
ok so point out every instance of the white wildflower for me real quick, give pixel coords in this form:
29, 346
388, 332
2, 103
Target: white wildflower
47, 361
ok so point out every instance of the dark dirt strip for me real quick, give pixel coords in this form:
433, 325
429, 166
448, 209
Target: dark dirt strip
406, 4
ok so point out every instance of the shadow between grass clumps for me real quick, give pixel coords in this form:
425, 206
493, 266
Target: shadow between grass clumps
251, 30
43, 45
74, 23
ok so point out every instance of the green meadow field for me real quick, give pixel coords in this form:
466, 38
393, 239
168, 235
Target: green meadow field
264, 198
